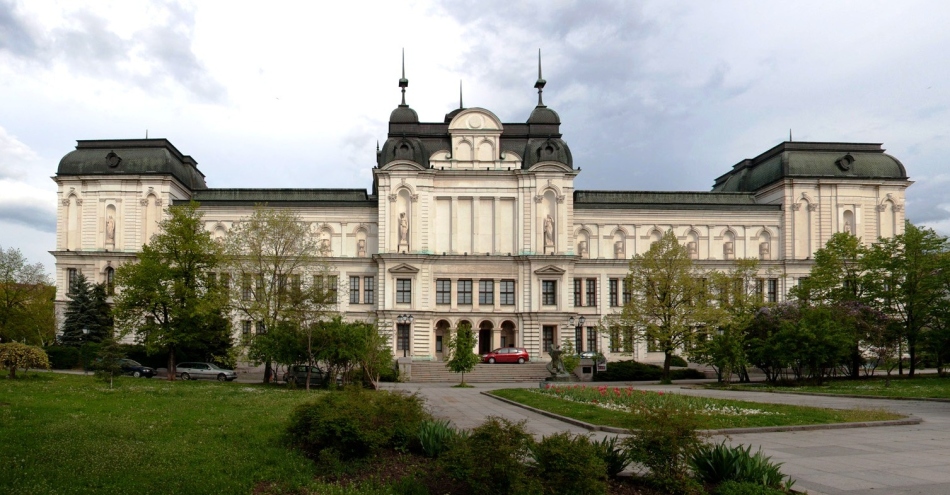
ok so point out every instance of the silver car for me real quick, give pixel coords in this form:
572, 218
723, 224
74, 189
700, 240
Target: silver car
211, 371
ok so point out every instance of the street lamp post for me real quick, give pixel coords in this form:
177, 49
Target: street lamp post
578, 342
85, 335
403, 324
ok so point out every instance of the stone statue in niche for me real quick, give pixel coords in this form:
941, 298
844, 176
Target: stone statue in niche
728, 250
691, 250
110, 229
764, 250
361, 248
618, 250
548, 232
582, 249
848, 227
403, 230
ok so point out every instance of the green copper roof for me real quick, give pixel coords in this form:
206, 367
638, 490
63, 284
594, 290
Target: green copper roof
811, 160
286, 197
132, 157
667, 200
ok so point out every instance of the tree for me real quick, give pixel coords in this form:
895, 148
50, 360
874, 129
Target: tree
271, 253
15, 355
343, 346
26, 300
907, 279
167, 298
666, 298
461, 347
109, 360
88, 315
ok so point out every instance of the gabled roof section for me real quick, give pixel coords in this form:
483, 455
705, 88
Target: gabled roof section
667, 200
550, 270
404, 268
795, 159
132, 157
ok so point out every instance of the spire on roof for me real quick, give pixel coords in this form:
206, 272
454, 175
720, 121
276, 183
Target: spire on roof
541, 82
403, 82
460, 94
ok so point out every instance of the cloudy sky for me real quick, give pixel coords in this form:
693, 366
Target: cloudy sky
653, 95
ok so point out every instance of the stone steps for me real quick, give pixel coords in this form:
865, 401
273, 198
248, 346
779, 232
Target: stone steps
483, 373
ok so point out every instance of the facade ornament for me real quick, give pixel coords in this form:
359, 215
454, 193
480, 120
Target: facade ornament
361, 248
403, 230
78, 201
65, 202
110, 229
812, 207
618, 250
881, 207
691, 250
898, 207
158, 201
796, 206
560, 199
392, 198
764, 250
539, 198
143, 201
414, 198
548, 232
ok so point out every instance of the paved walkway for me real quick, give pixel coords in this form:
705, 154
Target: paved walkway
895, 460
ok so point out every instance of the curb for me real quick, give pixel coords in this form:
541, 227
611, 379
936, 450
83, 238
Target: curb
819, 394
724, 431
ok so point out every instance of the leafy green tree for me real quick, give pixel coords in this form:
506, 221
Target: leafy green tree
166, 298
14, 355
108, 363
26, 300
88, 315
666, 294
282, 278
907, 278
461, 347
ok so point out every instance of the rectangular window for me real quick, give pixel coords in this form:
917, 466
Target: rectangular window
579, 339
592, 292
402, 337
354, 290
615, 343
333, 289
759, 289
246, 287
295, 284
225, 280
261, 327
772, 293
369, 290
259, 294
626, 293
212, 279
578, 288
404, 290
465, 292
549, 292
507, 292
486, 292
443, 291
547, 337
282, 284
71, 275
614, 284
246, 327
592, 339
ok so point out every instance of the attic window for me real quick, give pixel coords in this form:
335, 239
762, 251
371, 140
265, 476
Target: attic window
844, 163
404, 152
113, 159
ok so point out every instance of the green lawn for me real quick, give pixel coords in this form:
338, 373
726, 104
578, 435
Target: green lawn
72, 434
931, 387
611, 408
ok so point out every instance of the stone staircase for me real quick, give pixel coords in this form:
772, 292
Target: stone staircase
423, 371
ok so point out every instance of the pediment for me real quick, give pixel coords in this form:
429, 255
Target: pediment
402, 165
550, 270
404, 268
550, 166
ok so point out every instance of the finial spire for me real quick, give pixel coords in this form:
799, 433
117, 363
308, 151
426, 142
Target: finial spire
460, 94
541, 82
789, 134
403, 82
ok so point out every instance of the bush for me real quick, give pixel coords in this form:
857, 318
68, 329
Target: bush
678, 361
14, 356
632, 371
62, 357
436, 436
87, 354
389, 374
721, 463
492, 459
356, 423
615, 456
570, 465
665, 443
745, 488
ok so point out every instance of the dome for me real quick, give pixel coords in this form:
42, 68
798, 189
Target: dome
403, 115
544, 115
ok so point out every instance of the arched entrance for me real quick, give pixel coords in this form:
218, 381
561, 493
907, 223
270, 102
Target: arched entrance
485, 337
508, 338
442, 333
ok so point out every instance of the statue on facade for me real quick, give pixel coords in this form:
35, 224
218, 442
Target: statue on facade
110, 228
728, 251
848, 227
548, 231
403, 229
692, 250
618, 250
764, 250
361, 248
582, 249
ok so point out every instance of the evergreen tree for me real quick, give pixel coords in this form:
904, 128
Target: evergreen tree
88, 309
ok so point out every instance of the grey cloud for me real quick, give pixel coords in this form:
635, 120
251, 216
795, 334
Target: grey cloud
15, 35
35, 217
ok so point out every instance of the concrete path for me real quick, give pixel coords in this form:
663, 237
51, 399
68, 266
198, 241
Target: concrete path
896, 460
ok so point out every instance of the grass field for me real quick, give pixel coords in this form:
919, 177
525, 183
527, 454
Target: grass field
610, 406
931, 387
72, 434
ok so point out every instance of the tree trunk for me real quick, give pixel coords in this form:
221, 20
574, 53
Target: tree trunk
668, 356
171, 363
855, 362
268, 372
912, 350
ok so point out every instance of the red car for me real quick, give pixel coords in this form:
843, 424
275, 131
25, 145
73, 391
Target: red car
506, 355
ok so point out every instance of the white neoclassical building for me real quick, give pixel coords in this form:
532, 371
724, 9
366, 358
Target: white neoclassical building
471, 219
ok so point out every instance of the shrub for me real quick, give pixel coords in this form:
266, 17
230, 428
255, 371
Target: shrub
356, 423
678, 361
615, 456
631, 371
87, 354
721, 463
14, 356
62, 357
745, 488
666, 442
389, 374
570, 465
491, 459
436, 436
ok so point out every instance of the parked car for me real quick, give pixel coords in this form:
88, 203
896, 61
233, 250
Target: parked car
211, 371
136, 369
506, 355
298, 374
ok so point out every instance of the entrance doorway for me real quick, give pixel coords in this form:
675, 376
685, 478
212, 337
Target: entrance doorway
485, 337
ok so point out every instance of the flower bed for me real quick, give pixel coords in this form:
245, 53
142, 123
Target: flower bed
629, 399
